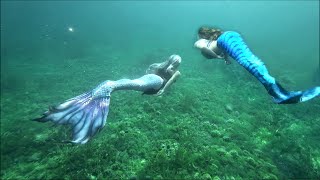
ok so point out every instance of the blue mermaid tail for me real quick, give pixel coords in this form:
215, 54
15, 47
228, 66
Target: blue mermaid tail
232, 43
87, 113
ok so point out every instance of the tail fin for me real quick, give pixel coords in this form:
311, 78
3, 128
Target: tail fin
86, 114
282, 96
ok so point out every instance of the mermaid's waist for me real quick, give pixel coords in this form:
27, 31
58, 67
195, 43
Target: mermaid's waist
145, 83
233, 44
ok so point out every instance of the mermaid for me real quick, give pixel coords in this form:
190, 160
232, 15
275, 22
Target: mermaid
87, 113
216, 44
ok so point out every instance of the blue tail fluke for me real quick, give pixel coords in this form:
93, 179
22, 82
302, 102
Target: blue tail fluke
310, 93
281, 96
87, 115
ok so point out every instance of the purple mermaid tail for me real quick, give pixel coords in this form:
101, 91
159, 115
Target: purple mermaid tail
87, 113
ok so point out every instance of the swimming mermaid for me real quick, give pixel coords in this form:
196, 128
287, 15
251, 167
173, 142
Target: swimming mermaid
87, 113
216, 44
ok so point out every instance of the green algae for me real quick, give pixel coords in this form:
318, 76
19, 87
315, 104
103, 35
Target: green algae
191, 136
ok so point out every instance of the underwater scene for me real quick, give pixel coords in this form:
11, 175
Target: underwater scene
217, 120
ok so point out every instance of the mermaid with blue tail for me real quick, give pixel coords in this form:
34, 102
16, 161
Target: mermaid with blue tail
216, 44
87, 113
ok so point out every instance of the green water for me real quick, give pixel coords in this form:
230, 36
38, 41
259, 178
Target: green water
215, 122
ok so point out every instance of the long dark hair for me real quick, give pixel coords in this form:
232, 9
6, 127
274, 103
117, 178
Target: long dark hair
209, 33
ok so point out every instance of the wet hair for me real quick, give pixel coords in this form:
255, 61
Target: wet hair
209, 33
156, 67
161, 68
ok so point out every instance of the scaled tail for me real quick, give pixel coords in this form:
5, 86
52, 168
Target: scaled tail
233, 44
86, 114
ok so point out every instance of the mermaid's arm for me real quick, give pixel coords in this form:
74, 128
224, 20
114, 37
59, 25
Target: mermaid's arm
208, 53
202, 44
173, 78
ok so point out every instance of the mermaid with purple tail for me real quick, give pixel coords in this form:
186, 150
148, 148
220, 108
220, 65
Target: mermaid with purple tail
87, 113
215, 44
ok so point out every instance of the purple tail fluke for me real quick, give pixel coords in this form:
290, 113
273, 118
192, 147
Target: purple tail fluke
86, 115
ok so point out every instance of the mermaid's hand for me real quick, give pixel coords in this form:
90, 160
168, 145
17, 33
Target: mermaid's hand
160, 92
227, 62
226, 59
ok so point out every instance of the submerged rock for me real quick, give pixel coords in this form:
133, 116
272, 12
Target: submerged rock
206, 176
229, 108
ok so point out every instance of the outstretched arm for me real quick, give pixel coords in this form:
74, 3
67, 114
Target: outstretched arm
208, 53
203, 45
173, 78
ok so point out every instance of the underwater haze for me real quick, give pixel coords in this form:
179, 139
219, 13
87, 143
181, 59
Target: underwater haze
216, 122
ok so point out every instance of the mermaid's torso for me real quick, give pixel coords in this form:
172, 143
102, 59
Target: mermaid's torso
164, 74
213, 46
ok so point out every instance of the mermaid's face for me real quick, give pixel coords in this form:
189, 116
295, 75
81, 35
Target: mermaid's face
174, 60
169, 65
